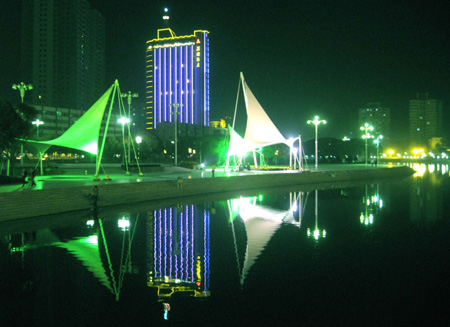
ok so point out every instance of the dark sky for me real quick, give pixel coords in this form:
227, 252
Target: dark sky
300, 58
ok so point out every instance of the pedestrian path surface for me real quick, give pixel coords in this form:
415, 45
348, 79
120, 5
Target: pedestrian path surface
55, 194
118, 175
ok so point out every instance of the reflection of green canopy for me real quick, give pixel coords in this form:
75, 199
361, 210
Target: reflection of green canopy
87, 251
84, 134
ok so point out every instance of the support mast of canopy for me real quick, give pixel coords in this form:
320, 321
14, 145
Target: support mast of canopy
100, 153
234, 121
255, 162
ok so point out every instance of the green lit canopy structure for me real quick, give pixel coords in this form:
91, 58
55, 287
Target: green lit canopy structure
84, 135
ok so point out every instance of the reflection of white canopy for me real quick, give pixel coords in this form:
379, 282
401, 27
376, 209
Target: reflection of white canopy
260, 224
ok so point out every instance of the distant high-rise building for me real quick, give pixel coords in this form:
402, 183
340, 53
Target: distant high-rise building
177, 73
63, 52
377, 116
425, 119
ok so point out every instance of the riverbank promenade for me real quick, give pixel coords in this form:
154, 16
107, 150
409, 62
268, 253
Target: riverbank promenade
69, 188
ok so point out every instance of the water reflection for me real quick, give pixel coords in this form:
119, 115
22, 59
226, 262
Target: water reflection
183, 253
259, 224
317, 232
180, 238
372, 203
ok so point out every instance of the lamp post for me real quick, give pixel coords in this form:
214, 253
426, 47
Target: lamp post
129, 96
377, 142
316, 123
138, 141
123, 121
22, 87
366, 128
37, 122
176, 112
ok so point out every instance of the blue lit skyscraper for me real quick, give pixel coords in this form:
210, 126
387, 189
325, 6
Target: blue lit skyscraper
177, 71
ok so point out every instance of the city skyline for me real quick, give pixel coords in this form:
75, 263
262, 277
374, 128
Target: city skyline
302, 59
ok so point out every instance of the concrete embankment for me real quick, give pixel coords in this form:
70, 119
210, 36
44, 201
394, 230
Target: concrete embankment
19, 205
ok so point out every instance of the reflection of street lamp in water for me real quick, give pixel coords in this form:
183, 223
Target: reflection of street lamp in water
317, 233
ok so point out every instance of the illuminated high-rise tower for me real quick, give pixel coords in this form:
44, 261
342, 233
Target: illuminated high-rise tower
177, 72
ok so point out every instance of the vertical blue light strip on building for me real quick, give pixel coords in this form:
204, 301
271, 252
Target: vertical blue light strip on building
175, 74
191, 83
159, 86
169, 96
185, 82
180, 76
206, 79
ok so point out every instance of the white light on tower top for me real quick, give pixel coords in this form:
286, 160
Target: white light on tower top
166, 15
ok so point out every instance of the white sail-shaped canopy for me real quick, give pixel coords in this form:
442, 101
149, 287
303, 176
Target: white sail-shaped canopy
260, 130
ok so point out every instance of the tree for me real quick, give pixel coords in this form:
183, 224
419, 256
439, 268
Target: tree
14, 125
214, 148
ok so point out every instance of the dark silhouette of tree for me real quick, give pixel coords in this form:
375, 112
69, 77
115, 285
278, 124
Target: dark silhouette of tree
15, 124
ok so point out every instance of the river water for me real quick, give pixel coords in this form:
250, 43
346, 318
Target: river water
374, 254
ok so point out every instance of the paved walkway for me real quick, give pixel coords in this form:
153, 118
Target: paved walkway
75, 177
69, 191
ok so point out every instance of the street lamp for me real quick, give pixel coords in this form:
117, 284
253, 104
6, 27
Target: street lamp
129, 96
138, 141
123, 121
366, 128
377, 142
37, 122
316, 123
22, 87
176, 112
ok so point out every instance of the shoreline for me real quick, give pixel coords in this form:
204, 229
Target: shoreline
71, 194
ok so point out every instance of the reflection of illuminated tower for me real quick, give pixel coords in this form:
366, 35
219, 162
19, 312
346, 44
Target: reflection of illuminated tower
177, 71
181, 254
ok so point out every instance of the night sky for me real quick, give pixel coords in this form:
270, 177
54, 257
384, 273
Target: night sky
300, 58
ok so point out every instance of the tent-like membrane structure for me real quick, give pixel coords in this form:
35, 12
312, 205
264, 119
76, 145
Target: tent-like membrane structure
84, 134
260, 130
